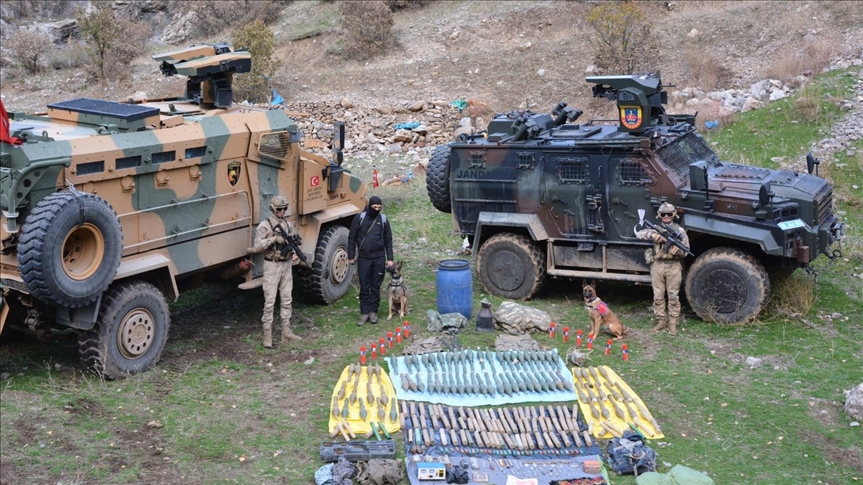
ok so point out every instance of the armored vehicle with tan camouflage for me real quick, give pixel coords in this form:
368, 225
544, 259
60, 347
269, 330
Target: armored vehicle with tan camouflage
110, 209
541, 196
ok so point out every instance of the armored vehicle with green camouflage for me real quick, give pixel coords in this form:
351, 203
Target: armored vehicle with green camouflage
541, 196
110, 209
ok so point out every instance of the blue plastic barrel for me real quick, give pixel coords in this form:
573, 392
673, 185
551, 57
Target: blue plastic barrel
454, 287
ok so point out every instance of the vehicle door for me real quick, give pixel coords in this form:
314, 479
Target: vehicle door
567, 184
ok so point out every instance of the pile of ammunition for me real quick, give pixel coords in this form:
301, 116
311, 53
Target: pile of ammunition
372, 395
513, 430
483, 372
591, 385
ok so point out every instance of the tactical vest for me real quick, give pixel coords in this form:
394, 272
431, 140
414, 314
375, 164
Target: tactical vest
661, 250
279, 252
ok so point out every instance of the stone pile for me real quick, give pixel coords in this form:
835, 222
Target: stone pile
388, 129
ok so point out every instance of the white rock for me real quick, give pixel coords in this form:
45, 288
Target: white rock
541, 73
753, 362
777, 95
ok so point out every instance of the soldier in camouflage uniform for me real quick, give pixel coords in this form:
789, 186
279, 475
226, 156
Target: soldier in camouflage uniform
666, 270
278, 261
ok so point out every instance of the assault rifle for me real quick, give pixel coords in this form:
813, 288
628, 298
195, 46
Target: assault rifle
671, 236
294, 242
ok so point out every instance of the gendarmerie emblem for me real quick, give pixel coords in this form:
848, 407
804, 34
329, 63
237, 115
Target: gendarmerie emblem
234, 169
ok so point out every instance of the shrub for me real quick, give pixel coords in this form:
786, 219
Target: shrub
217, 17
368, 28
71, 56
810, 58
260, 41
136, 35
704, 71
27, 48
621, 38
406, 4
100, 32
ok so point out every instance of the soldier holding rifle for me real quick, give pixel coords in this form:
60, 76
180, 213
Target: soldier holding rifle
670, 247
273, 238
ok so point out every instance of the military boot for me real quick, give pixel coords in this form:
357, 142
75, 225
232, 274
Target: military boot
659, 326
288, 334
268, 335
672, 326
373, 317
363, 319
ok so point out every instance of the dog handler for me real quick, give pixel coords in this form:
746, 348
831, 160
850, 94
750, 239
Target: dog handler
372, 240
666, 270
279, 258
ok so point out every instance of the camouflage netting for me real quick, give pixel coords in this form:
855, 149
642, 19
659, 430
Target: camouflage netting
380, 472
448, 322
516, 319
515, 342
430, 344
854, 403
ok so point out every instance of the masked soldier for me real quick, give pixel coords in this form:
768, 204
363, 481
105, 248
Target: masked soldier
371, 243
666, 270
278, 261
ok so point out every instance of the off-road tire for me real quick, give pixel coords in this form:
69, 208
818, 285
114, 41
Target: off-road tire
726, 285
330, 275
511, 266
70, 248
130, 332
437, 179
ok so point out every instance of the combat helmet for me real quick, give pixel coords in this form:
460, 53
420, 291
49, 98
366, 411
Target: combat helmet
278, 202
667, 207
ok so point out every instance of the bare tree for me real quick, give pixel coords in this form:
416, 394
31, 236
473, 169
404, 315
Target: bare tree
27, 47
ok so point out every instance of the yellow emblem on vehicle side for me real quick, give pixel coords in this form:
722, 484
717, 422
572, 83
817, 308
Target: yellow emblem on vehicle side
234, 169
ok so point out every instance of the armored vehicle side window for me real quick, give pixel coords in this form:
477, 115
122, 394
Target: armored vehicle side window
196, 152
90, 168
163, 157
476, 159
572, 170
128, 162
688, 149
633, 172
276, 145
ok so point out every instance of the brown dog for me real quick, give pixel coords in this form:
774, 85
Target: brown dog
601, 317
397, 292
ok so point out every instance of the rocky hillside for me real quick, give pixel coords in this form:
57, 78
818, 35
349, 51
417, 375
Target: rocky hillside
723, 56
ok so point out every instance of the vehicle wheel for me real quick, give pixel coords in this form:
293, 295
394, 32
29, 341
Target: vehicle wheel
727, 285
130, 333
70, 248
511, 266
437, 179
331, 274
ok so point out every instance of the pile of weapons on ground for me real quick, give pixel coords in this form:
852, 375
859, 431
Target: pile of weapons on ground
437, 407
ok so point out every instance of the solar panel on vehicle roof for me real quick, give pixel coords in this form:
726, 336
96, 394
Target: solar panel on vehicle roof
124, 111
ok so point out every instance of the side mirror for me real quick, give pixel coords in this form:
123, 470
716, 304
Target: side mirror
812, 162
764, 194
338, 142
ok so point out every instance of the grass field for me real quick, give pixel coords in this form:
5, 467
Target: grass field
220, 409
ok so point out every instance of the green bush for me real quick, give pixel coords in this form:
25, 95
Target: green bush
111, 42
368, 28
260, 41
621, 38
